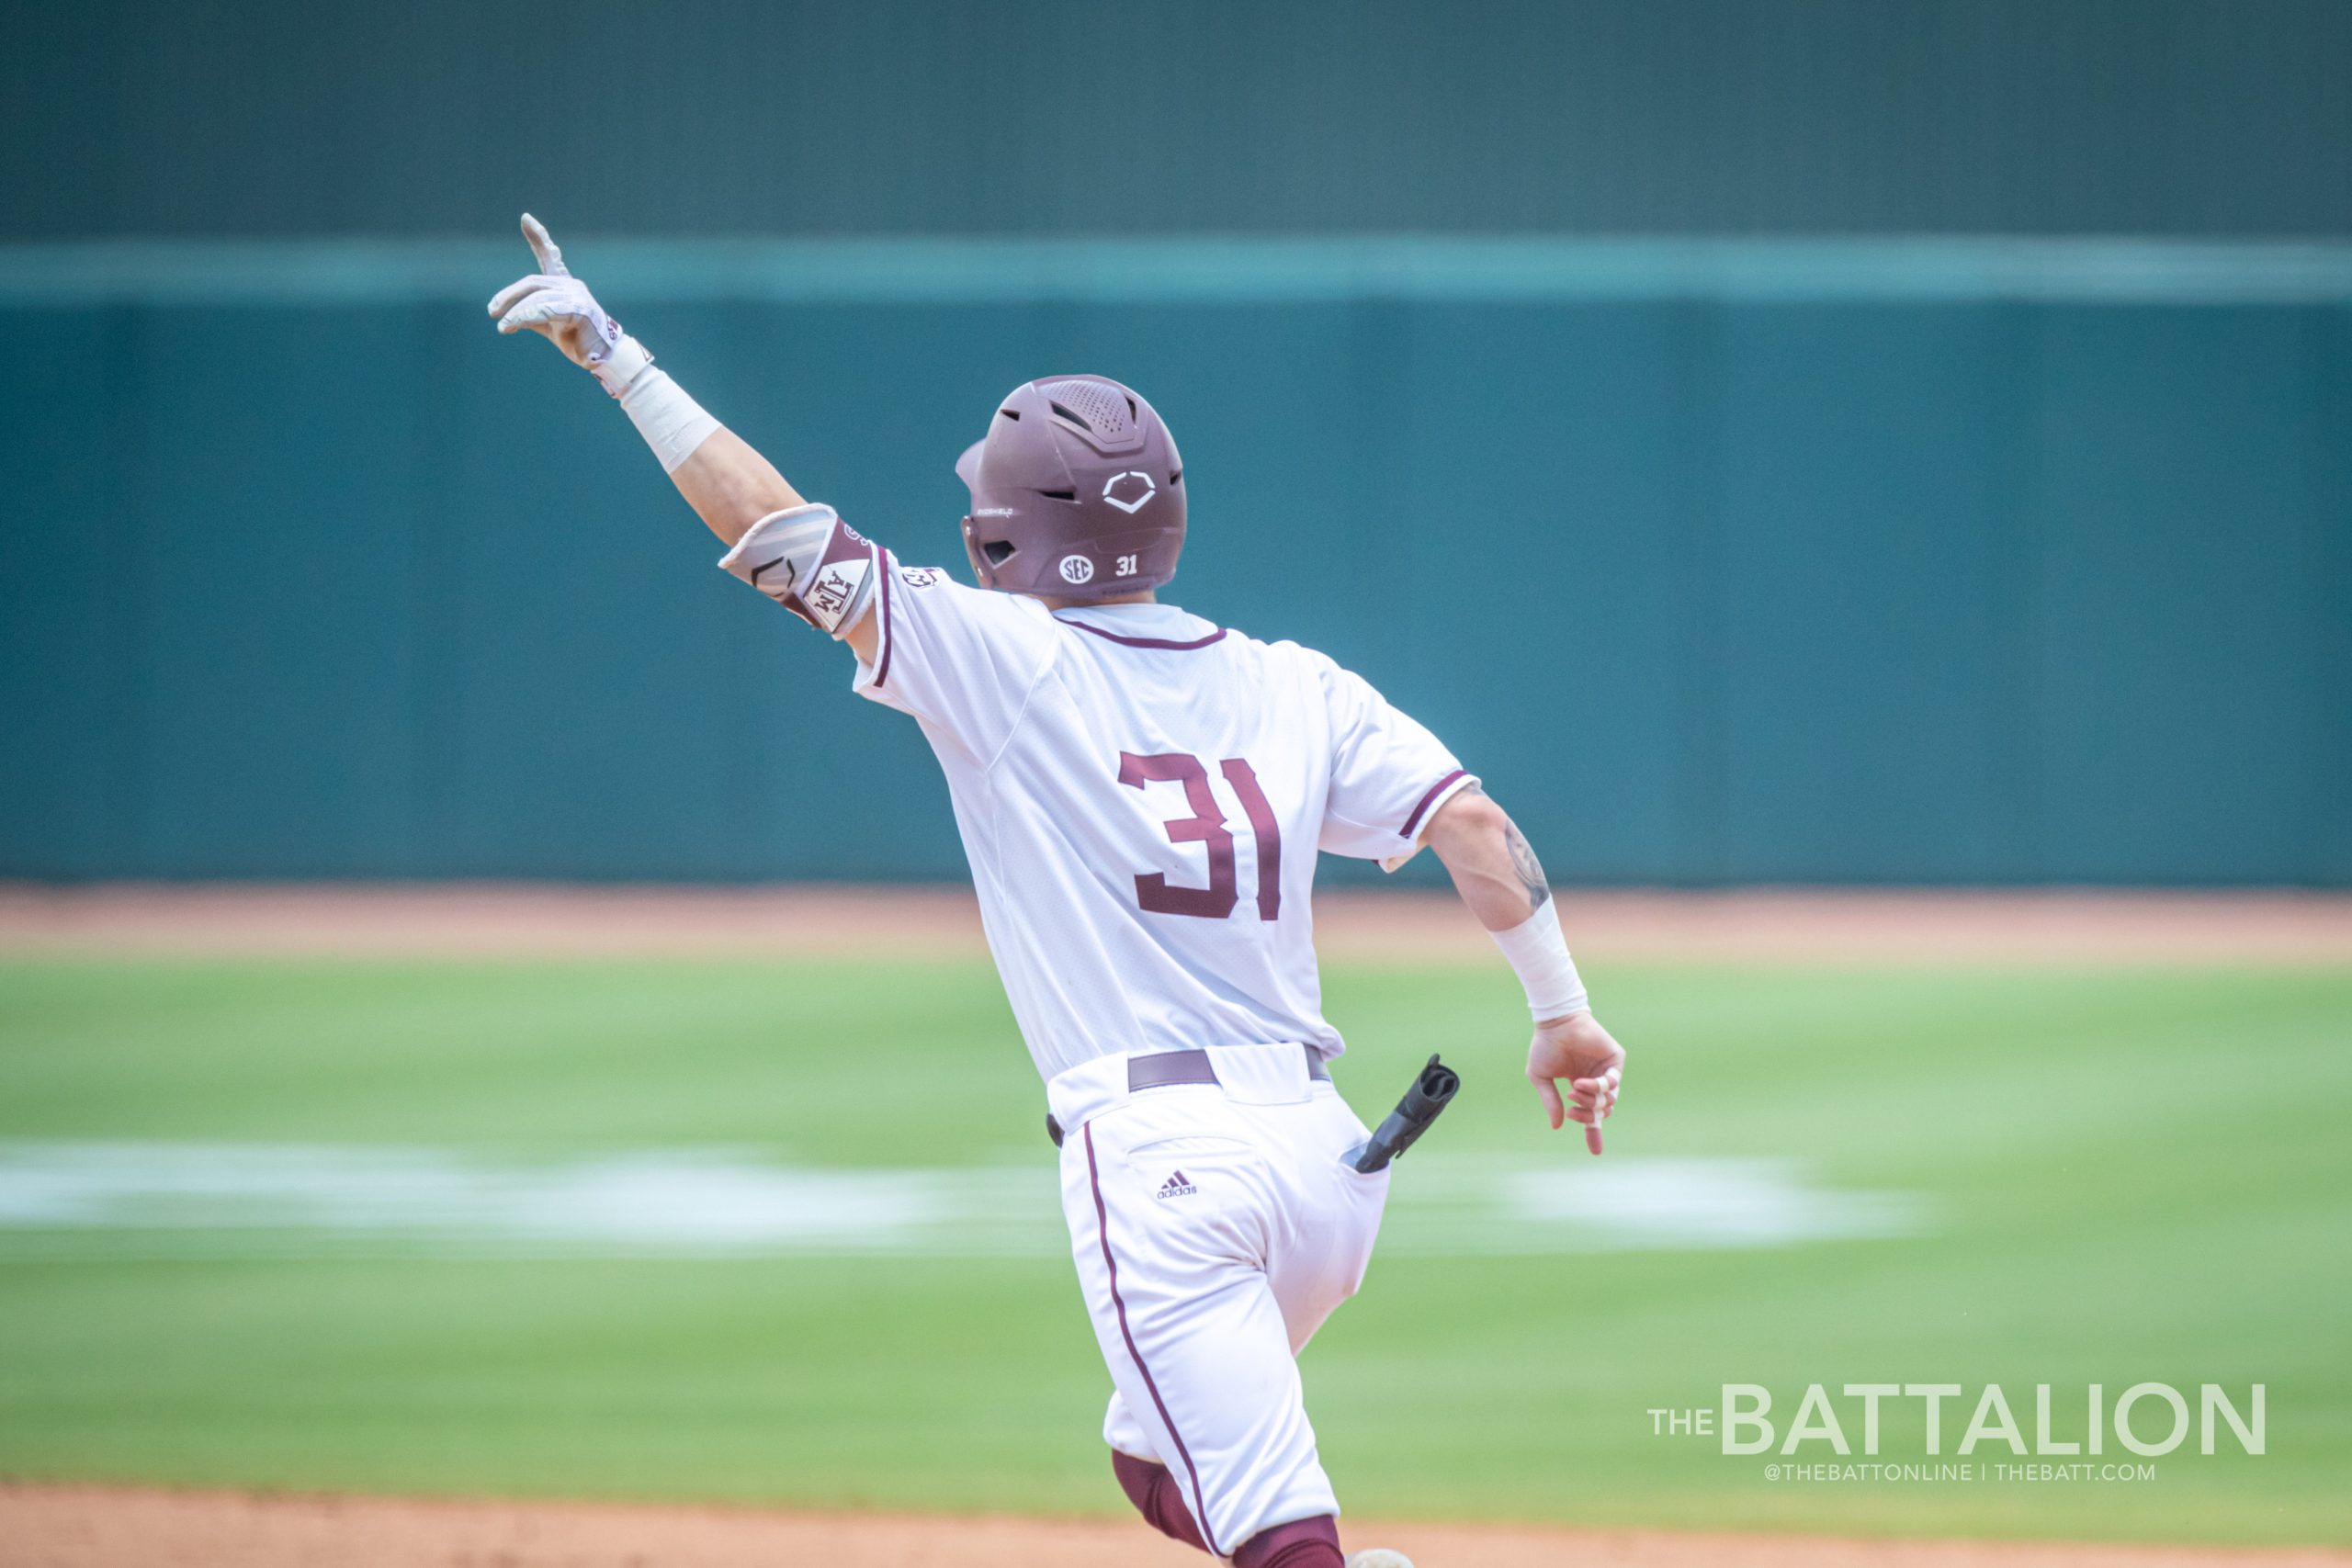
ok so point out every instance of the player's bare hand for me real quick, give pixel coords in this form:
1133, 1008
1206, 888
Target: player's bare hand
556, 305
1577, 1054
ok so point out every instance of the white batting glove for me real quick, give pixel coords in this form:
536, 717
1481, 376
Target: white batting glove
558, 306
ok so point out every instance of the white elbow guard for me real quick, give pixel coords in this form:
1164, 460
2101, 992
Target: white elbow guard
812, 563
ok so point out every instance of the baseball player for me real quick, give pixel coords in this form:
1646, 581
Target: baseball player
1142, 794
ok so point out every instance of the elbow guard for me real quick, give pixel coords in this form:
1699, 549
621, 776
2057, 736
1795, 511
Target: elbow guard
812, 563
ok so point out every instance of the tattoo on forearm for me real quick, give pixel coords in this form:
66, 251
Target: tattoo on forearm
1530, 869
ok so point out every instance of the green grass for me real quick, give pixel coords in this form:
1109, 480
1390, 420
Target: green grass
2134, 1176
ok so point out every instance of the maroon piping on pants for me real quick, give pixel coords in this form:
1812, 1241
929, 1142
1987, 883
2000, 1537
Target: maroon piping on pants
1436, 790
1102, 1229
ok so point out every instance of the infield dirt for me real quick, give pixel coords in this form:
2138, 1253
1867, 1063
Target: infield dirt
90, 1527
1752, 925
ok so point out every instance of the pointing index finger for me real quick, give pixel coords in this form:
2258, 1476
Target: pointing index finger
514, 293
543, 246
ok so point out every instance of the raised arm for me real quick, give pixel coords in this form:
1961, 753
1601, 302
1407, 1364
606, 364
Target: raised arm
731, 486
1497, 873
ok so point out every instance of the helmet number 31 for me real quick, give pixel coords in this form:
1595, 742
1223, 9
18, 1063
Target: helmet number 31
1206, 826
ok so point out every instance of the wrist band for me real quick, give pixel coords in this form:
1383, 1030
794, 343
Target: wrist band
673, 423
620, 362
1540, 954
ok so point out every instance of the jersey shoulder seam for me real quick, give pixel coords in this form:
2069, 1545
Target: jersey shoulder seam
1028, 700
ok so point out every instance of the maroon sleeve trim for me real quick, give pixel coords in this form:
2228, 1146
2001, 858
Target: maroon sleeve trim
883, 564
1436, 790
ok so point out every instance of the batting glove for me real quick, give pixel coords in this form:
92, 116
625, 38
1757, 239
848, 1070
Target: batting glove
558, 306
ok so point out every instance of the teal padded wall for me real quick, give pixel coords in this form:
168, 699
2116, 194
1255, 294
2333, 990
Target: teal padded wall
144, 119
1873, 562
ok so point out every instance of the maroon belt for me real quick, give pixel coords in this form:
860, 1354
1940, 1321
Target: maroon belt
1162, 1069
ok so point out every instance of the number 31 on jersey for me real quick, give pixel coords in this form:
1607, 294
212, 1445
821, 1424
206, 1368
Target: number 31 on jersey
1207, 826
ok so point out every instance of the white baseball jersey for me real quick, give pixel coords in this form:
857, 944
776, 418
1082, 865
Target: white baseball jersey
1142, 794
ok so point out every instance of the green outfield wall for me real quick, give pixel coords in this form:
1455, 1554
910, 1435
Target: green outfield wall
1860, 561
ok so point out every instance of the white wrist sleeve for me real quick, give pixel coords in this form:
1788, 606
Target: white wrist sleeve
1539, 953
673, 423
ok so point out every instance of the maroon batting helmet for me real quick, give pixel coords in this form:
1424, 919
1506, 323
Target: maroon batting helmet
1077, 492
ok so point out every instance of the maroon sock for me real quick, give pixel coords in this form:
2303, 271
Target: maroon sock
1154, 1493
1302, 1543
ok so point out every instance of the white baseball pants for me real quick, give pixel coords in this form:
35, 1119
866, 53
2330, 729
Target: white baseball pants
1214, 1228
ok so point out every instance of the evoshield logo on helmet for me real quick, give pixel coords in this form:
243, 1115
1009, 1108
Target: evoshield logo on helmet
1117, 482
1076, 472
